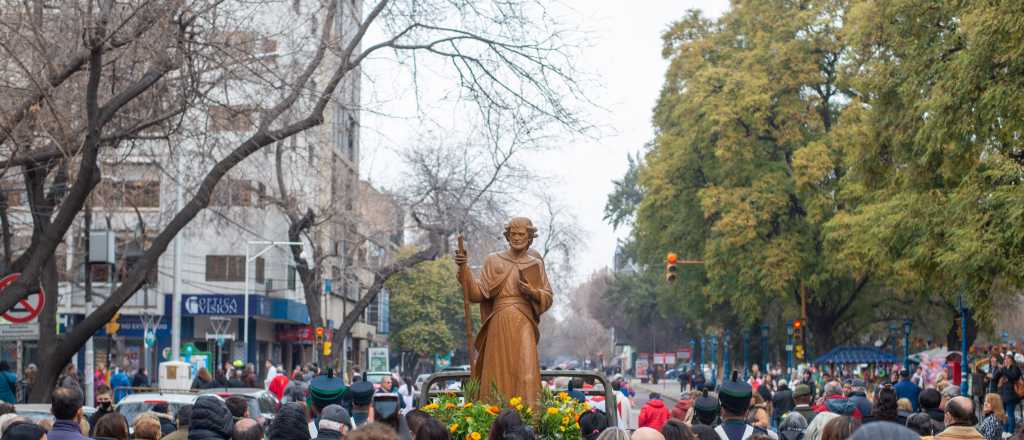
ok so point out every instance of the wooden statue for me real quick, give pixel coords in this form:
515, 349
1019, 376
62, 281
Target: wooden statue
513, 291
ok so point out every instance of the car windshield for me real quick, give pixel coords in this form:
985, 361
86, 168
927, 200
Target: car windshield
130, 410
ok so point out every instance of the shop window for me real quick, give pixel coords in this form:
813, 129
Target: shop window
225, 268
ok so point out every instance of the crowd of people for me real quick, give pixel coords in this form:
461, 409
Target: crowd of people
769, 408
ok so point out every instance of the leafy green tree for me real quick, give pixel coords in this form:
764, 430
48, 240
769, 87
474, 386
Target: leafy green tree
935, 142
426, 309
746, 168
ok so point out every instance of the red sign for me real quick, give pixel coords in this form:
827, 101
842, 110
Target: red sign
300, 334
27, 308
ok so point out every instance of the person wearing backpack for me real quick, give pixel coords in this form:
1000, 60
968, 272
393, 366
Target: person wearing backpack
1008, 377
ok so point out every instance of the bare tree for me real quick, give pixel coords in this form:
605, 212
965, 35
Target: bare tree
144, 72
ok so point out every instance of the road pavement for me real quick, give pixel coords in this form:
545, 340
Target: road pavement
669, 390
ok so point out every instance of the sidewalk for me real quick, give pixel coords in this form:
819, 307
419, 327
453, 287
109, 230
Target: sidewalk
669, 389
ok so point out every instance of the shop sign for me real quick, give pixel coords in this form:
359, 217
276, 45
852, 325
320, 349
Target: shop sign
301, 334
222, 305
15, 332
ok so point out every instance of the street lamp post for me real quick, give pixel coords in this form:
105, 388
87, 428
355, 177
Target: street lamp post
906, 344
746, 354
267, 246
714, 360
693, 354
764, 348
789, 347
727, 354
964, 314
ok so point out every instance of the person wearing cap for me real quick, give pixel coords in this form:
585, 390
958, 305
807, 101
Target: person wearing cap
362, 396
735, 398
859, 396
782, 402
334, 423
324, 391
706, 410
802, 396
907, 389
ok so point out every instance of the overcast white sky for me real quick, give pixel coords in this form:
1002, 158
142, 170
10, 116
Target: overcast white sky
625, 56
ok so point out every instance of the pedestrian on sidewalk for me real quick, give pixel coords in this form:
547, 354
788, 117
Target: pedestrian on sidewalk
653, 414
1006, 377
907, 389
991, 426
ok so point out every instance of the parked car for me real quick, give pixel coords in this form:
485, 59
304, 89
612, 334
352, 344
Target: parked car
262, 403
374, 377
41, 411
420, 379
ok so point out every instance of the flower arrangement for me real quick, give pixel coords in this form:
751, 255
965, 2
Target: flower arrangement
557, 417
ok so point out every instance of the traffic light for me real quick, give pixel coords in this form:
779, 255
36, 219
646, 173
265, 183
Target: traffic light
798, 339
670, 266
327, 348
112, 327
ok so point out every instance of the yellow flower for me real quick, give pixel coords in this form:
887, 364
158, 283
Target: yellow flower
515, 401
561, 428
564, 396
468, 405
565, 420
475, 435
493, 410
586, 406
519, 407
552, 410
449, 405
454, 427
431, 406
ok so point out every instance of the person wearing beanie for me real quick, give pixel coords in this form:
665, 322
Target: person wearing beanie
930, 400
782, 402
334, 423
653, 414
706, 410
735, 397
592, 424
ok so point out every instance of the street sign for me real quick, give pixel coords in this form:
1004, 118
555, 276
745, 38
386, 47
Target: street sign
150, 339
26, 309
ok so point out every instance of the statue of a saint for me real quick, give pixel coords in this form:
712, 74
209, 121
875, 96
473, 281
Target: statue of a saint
513, 291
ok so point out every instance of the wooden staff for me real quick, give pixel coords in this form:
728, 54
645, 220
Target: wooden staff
466, 285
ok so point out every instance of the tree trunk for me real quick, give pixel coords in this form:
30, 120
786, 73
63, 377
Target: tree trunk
49, 371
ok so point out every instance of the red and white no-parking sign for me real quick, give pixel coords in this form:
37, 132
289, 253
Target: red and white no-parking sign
27, 308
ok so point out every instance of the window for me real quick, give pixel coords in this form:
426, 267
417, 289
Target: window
128, 193
225, 268
234, 192
259, 265
232, 118
351, 139
291, 277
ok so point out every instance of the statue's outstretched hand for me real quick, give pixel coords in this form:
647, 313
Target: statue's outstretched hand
461, 258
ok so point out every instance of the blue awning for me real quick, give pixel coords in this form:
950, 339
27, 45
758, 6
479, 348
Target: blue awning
857, 355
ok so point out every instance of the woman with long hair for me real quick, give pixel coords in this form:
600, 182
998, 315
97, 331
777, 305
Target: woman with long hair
991, 426
840, 428
885, 406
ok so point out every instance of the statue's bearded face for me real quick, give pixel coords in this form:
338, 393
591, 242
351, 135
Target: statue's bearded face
518, 238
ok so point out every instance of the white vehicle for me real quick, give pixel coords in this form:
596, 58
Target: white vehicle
41, 411
262, 403
420, 379
134, 404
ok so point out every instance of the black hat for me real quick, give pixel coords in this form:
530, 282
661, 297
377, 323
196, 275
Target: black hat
333, 417
706, 407
362, 393
326, 389
735, 396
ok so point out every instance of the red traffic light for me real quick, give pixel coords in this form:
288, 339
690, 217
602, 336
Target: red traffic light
797, 324
672, 258
320, 331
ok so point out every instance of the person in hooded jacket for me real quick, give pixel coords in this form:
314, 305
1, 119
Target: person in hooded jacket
858, 395
212, 420
835, 402
653, 414
289, 424
682, 407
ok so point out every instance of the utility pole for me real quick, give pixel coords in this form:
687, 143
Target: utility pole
176, 293
89, 354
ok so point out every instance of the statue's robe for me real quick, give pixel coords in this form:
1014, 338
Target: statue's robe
506, 344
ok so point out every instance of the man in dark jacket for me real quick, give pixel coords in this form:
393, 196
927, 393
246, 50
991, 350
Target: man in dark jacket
802, 395
104, 405
289, 424
334, 423
782, 402
930, 400
66, 406
163, 415
211, 420
141, 380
